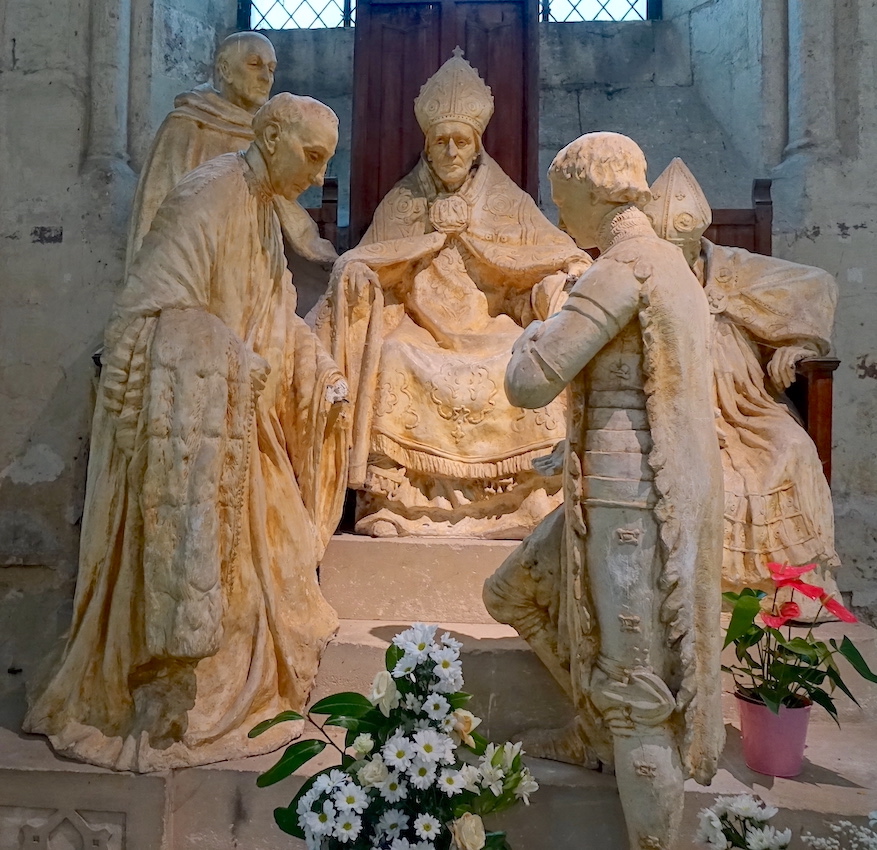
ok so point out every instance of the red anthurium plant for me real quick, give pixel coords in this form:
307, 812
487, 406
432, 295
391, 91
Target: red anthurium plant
776, 668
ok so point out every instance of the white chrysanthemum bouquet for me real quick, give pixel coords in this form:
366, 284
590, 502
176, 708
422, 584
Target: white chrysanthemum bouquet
413, 774
741, 822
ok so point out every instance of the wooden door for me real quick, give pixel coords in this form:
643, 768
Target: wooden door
398, 46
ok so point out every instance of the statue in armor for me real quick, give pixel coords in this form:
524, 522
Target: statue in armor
422, 316
767, 314
618, 591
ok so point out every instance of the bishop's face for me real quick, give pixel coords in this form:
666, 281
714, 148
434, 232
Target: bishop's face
451, 148
247, 74
300, 156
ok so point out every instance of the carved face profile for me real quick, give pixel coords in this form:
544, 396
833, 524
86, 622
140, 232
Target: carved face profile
298, 154
245, 71
580, 215
451, 149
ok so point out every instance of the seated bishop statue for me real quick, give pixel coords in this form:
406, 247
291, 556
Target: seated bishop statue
767, 314
213, 119
218, 456
422, 315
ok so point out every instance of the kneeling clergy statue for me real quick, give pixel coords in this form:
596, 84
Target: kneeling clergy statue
218, 459
618, 591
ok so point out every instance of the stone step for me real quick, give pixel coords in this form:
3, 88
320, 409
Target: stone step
410, 578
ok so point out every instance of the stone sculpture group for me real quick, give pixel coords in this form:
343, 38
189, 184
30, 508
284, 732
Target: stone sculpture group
470, 372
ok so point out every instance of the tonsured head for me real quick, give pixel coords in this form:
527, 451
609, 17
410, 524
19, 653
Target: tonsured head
243, 69
297, 136
593, 174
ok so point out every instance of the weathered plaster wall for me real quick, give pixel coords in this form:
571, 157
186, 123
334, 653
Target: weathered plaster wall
76, 80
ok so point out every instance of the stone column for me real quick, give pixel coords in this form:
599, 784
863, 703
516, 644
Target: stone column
812, 114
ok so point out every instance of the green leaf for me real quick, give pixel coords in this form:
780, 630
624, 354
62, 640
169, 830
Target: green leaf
834, 675
821, 698
292, 759
392, 656
771, 700
347, 704
354, 724
803, 648
265, 725
496, 841
742, 617
287, 820
459, 699
848, 650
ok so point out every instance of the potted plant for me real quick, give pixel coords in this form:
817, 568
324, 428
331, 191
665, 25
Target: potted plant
412, 773
777, 677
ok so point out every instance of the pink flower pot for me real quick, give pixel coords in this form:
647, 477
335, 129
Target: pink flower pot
773, 744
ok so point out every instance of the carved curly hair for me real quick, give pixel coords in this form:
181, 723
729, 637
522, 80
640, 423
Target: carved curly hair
613, 164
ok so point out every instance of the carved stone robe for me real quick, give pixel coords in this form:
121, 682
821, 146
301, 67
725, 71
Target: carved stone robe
437, 448
777, 501
201, 126
197, 609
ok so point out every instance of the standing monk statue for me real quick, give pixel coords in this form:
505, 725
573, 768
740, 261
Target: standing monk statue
767, 315
216, 476
618, 592
422, 315
213, 119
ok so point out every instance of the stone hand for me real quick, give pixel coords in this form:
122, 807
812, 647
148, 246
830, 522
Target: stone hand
338, 393
359, 279
782, 365
552, 464
576, 269
259, 370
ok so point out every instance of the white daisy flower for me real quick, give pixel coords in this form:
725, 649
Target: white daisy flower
392, 822
321, 822
307, 800
427, 827
347, 827
422, 774
450, 682
398, 752
400, 844
416, 641
405, 666
451, 643
350, 798
394, 788
767, 838
451, 782
429, 745
710, 830
411, 703
435, 707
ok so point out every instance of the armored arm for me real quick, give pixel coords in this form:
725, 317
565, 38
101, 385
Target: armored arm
549, 354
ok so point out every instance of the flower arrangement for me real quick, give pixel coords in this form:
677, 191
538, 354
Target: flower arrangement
777, 669
847, 836
413, 773
740, 822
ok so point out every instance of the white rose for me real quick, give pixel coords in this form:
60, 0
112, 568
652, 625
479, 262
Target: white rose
373, 773
464, 724
384, 693
468, 832
363, 744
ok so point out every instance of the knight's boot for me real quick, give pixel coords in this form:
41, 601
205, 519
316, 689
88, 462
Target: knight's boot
567, 744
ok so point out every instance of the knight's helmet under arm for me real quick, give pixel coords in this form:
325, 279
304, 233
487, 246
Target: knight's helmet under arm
679, 210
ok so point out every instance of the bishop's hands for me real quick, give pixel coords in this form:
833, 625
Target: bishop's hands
358, 279
781, 367
338, 392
